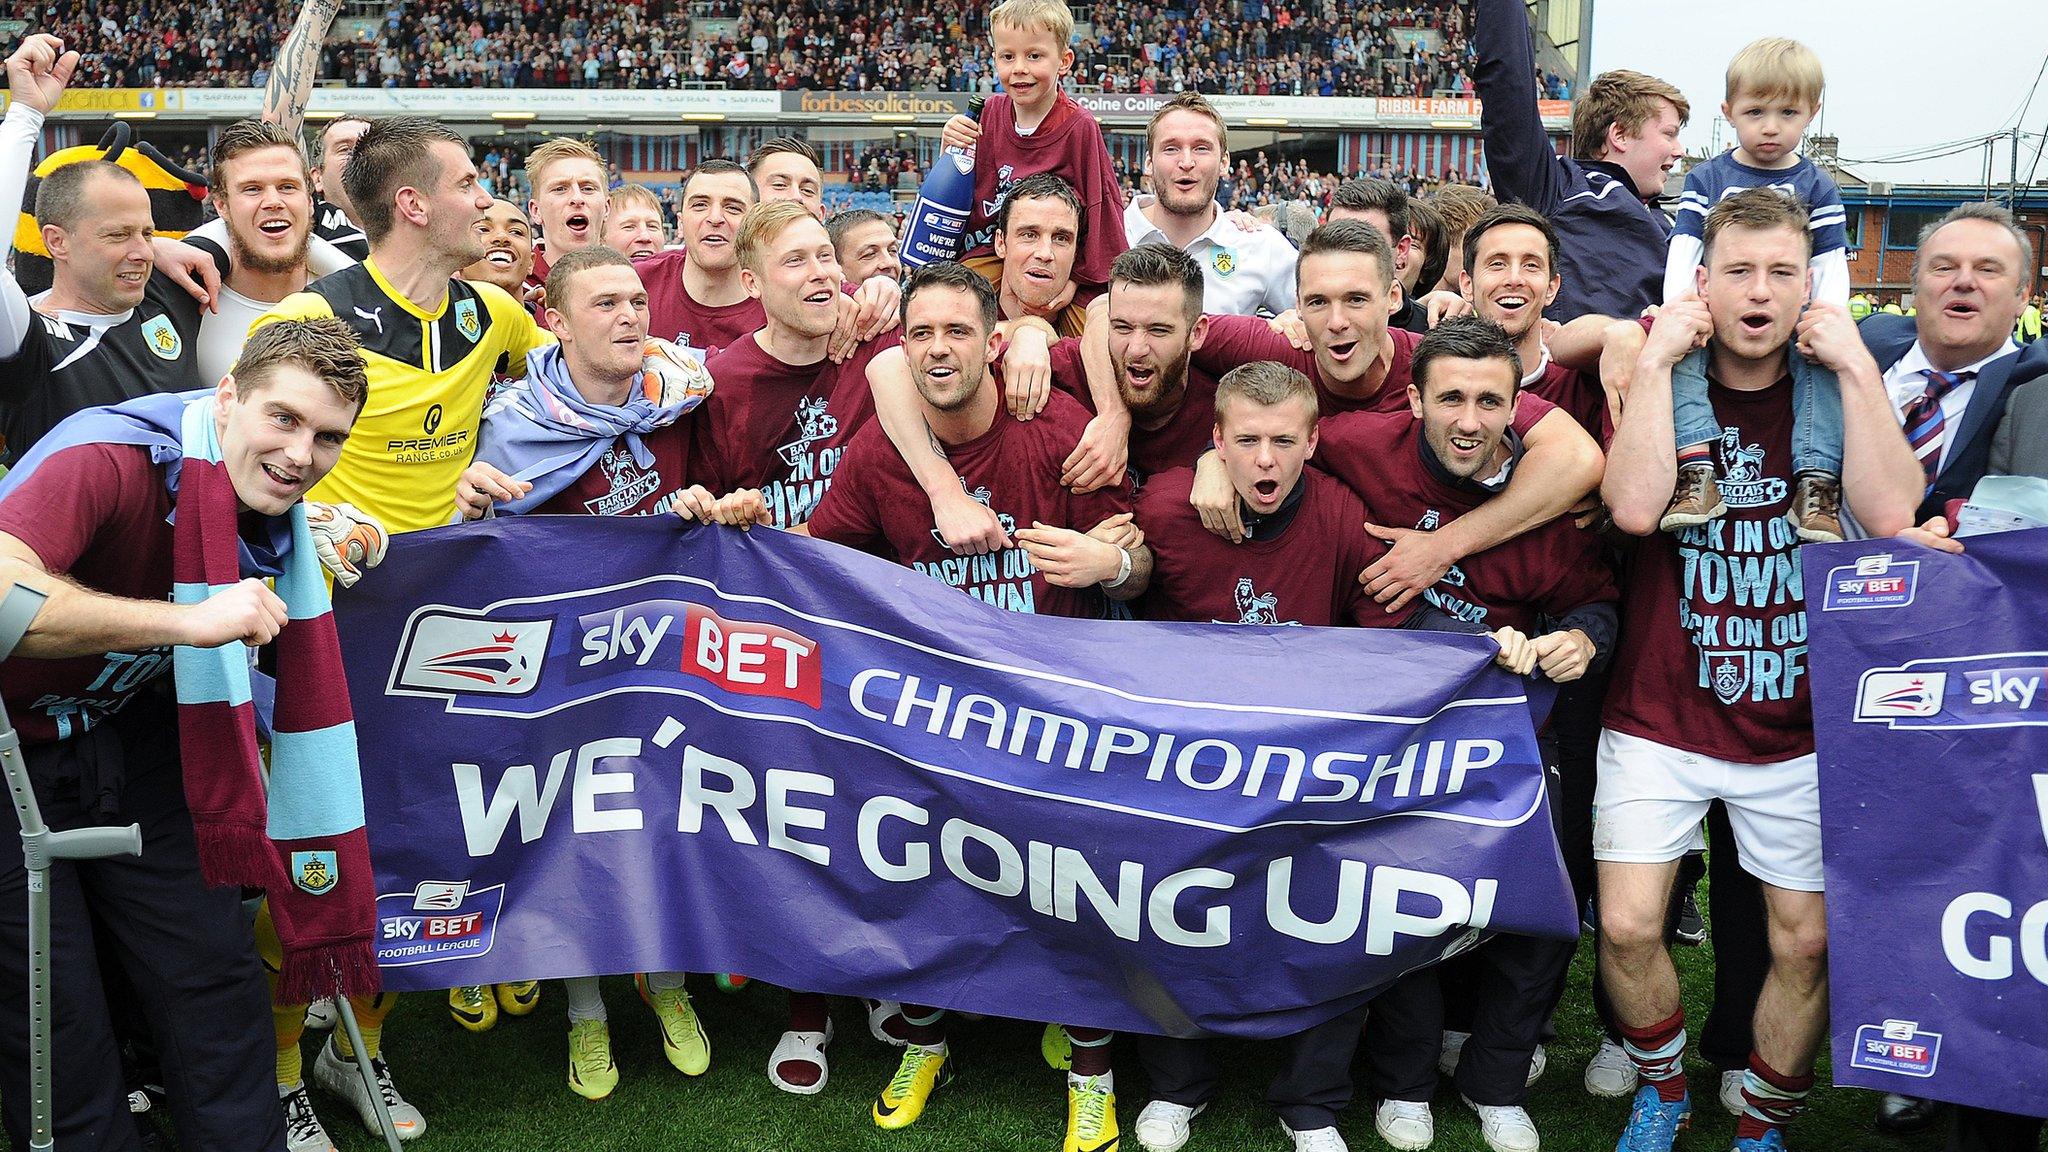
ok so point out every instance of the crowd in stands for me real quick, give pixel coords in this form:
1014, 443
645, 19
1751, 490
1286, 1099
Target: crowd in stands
129, 43
1243, 47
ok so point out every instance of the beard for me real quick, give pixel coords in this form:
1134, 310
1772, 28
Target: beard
247, 256
1194, 203
1169, 388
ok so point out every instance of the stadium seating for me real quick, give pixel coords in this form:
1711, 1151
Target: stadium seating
1259, 47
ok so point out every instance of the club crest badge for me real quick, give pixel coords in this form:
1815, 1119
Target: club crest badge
466, 320
315, 872
162, 338
1728, 674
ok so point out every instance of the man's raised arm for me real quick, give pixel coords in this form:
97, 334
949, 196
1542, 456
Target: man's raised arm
36, 75
298, 62
1519, 155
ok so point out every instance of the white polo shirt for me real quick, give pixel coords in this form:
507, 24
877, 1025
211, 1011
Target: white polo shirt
1242, 272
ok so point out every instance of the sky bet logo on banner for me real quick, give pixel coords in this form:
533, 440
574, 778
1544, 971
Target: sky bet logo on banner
1991, 691
437, 920
1872, 582
1897, 1046
630, 637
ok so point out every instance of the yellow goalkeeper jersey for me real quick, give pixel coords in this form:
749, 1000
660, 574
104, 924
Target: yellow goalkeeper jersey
429, 373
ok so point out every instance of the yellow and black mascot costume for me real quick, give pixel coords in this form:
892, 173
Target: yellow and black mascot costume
177, 198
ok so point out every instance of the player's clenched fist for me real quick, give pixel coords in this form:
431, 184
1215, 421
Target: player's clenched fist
249, 612
38, 71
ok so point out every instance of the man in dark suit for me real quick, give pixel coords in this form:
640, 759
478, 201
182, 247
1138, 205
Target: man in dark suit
1950, 366
2020, 446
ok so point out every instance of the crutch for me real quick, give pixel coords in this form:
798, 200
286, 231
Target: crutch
39, 846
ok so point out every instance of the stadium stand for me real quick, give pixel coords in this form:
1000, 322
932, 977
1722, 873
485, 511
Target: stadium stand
1239, 47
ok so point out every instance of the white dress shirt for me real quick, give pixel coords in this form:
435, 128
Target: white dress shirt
1242, 271
1906, 382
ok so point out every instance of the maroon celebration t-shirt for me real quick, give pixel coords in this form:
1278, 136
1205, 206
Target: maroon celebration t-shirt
1712, 656
1068, 145
1014, 468
1549, 570
672, 314
1235, 340
781, 427
97, 513
1178, 443
1307, 575
617, 485
1578, 394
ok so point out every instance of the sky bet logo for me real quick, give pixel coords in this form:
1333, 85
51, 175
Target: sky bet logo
438, 920
1871, 582
1897, 1046
1992, 691
741, 656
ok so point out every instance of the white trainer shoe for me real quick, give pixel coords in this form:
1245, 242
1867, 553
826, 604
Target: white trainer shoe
341, 1077
1316, 1139
1163, 1125
1731, 1092
1405, 1124
1454, 1047
1611, 1073
1506, 1128
302, 1130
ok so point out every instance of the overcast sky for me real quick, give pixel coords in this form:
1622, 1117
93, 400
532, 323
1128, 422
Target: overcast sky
1900, 75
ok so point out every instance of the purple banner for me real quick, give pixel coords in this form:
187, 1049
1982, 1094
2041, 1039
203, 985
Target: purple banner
1933, 732
595, 746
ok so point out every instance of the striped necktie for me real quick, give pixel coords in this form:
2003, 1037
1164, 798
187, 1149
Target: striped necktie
1924, 421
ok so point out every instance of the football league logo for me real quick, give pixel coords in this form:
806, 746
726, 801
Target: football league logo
1889, 695
1897, 1046
1743, 483
1875, 581
1256, 607
629, 484
813, 423
445, 653
437, 920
